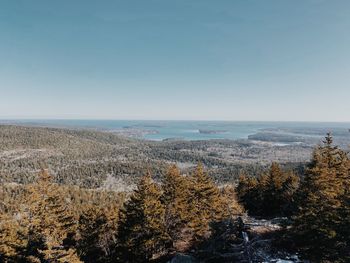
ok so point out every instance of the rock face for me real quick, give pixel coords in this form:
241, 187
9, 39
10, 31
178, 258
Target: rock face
182, 258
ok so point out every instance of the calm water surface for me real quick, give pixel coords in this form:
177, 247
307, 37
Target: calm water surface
187, 130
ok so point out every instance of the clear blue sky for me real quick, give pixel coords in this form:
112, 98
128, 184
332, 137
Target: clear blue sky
175, 59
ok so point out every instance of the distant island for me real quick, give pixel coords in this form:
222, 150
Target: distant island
276, 137
133, 132
211, 131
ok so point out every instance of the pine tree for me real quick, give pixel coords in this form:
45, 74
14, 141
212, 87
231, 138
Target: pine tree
91, 224
277, 188
142, 233
207, 204
319, 219
248, 194
51, 223
13, 240
108, 233
288, 193
176, 197
272, 194
229, 194
97, 233
343, 229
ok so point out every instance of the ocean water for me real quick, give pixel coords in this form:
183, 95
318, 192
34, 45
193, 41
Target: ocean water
191, 130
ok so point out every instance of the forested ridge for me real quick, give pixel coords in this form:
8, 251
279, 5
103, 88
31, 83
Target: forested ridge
168, 211
87, 157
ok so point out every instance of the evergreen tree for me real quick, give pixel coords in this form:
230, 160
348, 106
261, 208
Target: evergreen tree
91, 224
51, 223
272, 194
277, 188
318, 224
248, 193
97, 232
343, 229
207, 204
13, 240
176, 198
229, 194
142, 233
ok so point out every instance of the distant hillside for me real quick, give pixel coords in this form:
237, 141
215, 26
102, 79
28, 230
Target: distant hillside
88, 158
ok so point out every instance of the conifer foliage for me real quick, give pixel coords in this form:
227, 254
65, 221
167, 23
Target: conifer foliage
52, 224
207, 204
271, 194
45, 222
142, 233
175, 217
321, 226
192, 204
43, 227
12, 239
178, 214
97, 235
48, 222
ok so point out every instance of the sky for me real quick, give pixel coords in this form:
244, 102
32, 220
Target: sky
271, 60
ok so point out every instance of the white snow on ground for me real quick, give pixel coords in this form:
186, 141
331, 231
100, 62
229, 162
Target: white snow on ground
18, 154
116, 184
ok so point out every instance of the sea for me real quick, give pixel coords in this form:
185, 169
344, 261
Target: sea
189, 130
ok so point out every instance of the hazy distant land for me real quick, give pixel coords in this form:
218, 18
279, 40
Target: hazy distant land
309, 133
91, 153
93, 150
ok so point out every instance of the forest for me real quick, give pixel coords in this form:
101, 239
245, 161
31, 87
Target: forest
87, 158
171, 212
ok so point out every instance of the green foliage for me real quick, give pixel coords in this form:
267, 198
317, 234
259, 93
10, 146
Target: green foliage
51, 223
321, 225
42, 221
142, 233
39, 222
13, 243
176, 199
207, 204
96, 235
86, 158
271, 194
57, 223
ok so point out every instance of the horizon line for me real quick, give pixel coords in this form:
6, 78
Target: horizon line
141, 119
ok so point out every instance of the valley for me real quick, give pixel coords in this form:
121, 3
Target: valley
87, 157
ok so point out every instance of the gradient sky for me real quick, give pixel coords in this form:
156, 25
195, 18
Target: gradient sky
178, 59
